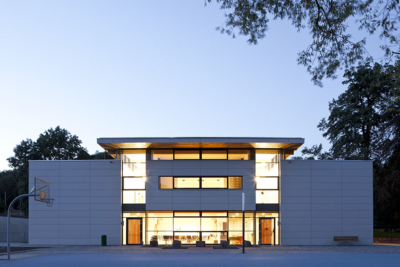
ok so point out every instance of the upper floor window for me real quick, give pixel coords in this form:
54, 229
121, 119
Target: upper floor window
200, 154
267, 183
214, 182
134, 190
235, 182
134, 162
267, 162
267, 190
239, 154
187, 154
214, 154
169, 182
162, 154
135, 183
187, 182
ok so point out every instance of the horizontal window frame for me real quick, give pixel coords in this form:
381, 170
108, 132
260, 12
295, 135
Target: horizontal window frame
201, 153
200, 182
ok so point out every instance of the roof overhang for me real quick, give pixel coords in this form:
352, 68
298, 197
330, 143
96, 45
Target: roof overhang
200, 142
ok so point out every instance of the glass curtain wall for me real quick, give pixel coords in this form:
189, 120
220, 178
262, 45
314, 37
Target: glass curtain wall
267, 176
189, 227
134, 176
211, 227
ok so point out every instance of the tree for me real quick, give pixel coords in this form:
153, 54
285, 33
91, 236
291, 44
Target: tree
53, 144
315, 152
354, 124
364, 123
8, 184
332, 46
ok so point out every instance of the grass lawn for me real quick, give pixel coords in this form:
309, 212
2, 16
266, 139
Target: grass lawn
386, 234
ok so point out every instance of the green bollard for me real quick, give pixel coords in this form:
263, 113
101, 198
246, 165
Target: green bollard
104, 240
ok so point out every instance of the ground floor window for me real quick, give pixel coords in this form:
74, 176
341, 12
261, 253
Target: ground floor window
209, 226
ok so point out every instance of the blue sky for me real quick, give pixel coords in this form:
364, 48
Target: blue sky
150, 68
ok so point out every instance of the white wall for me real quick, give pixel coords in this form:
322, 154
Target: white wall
323, 199
87, 203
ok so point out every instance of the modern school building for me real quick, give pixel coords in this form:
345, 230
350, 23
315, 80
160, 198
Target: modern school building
190, 189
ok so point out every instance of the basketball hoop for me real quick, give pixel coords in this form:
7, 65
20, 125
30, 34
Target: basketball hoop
49, 202
41, 190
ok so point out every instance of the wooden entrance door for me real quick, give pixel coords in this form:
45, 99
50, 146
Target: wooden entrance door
134, 231
267, 231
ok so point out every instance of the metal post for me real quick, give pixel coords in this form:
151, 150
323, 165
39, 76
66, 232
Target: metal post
9, 221
243, 221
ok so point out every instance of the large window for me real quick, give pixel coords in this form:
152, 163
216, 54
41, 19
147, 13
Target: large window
214, 154
238, 154
162, 154
267, 196
134, 163
191, 226
267, 183
134, 197
235, 182
135, 183
267, 162
134, 176
231, 182
200, 154
267, 190
214, 182
187, 182
166, 182
187, 154
209, 226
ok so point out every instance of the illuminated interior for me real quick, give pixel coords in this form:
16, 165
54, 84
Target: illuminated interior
134, 176
267, 177
267, 196
209, 226
206, 154
169, 182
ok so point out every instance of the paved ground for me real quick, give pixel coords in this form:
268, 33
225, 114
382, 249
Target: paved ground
197, 260
365, 256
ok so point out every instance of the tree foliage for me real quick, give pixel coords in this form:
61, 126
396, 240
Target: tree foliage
316, 152
364, 124
354, 126
53, 144
328, 22
9, 188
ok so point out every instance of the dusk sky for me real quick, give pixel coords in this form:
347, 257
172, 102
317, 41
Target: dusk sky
150, 68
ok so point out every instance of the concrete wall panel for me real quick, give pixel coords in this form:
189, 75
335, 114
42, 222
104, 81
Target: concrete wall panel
334, 196
86, 193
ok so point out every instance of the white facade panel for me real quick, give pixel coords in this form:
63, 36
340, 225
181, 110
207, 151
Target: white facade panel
335, 196
87, 203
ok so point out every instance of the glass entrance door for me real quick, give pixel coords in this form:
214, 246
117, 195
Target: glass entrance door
267, 231
134, 231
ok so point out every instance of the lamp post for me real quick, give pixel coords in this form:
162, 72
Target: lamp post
243, 220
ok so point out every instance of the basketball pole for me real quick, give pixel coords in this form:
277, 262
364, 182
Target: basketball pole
9, 220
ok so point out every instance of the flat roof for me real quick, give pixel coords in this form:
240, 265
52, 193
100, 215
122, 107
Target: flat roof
111, 143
